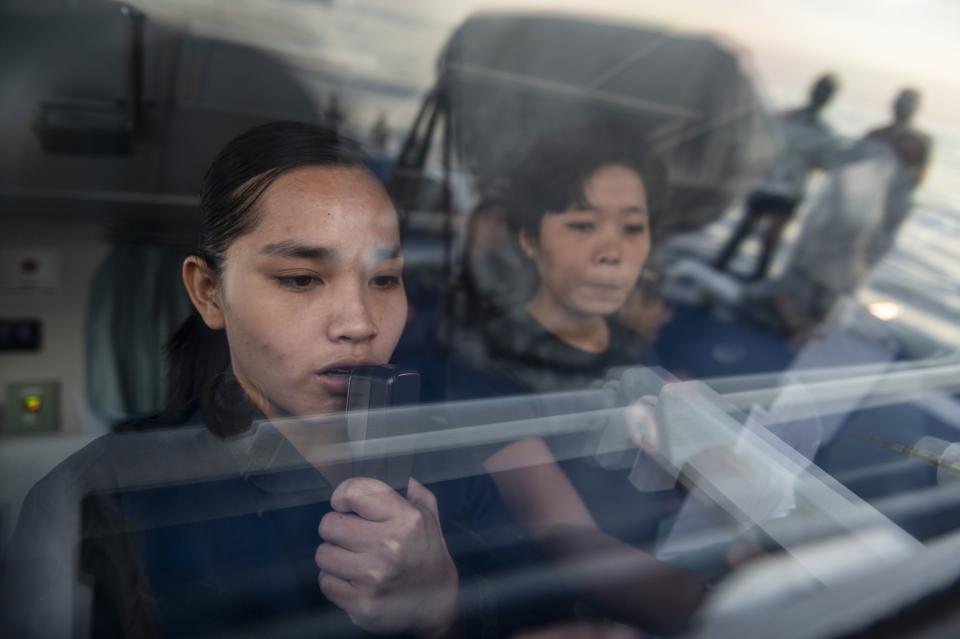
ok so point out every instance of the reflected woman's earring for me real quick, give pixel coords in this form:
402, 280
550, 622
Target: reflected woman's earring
526, 245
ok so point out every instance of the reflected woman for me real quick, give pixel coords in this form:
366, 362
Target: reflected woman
582, 206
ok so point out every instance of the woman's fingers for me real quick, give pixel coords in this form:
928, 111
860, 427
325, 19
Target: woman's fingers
347, 531
340, 562
642, 424
369, 498
339, 591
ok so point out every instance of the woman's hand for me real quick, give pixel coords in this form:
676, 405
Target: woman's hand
641, 421
384, 561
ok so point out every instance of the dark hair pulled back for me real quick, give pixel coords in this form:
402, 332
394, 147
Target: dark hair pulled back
198, 357
249, 164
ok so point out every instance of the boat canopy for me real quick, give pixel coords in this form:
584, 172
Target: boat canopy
504, 80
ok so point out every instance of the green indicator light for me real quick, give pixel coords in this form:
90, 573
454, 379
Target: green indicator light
32, 403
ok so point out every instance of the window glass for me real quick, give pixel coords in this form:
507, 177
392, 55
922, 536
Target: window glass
530, 319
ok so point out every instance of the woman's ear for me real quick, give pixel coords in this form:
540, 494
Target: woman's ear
203, 287
528, 246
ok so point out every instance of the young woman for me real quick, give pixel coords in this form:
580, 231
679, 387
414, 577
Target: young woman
582, 206
296, 279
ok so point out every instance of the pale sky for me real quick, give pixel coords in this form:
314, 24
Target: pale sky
876, 46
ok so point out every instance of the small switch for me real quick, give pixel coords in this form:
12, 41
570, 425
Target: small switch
32, 404
32, 407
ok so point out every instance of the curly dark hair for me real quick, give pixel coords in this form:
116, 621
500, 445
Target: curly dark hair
552, 176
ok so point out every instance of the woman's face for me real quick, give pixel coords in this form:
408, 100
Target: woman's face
589, 259
314, 289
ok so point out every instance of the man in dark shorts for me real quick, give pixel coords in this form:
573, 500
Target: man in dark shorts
805, 145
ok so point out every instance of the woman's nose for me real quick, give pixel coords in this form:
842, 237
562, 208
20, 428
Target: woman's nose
609, 248
352, 321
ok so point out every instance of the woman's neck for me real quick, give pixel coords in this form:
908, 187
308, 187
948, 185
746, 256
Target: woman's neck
311, 440
588, 333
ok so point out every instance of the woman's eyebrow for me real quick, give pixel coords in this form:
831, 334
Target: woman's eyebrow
294, 249
387, 253
593, 208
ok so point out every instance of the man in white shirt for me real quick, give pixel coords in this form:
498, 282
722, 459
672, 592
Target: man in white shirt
912, 148
805, 144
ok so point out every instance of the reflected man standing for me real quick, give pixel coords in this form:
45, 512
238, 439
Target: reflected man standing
805, 144
912, 148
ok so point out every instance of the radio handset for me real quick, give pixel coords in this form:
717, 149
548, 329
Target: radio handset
370, 390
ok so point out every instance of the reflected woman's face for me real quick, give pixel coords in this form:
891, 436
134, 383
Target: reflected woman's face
589, 258
315, 288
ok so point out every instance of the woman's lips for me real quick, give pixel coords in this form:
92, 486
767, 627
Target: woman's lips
335, 378
603, 288
334, 384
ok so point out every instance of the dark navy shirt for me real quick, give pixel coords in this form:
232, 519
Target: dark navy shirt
517, 355
177, 533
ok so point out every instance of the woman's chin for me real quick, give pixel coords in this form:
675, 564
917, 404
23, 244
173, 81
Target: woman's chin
333, 405
596, 308
317, 409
